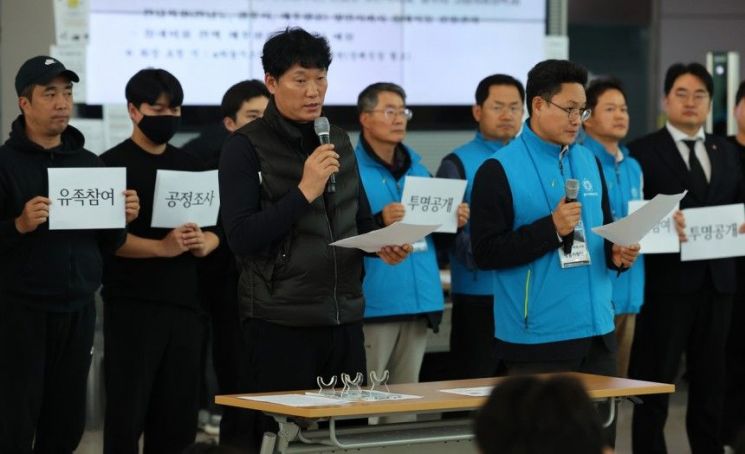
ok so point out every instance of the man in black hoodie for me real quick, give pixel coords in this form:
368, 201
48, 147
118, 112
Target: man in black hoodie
47, 277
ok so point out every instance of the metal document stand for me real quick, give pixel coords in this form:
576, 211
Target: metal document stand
440, 436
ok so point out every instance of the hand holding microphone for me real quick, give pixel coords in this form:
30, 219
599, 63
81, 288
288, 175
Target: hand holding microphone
323, 131
567, 214
320, 166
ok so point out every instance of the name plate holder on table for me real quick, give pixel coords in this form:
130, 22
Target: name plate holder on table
441, 436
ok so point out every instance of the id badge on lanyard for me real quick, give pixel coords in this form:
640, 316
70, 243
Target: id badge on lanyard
580, 254
420, 246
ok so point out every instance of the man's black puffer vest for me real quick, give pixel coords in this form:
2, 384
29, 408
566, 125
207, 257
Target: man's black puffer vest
301, 280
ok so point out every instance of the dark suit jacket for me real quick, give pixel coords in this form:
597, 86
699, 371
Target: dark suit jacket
665, 172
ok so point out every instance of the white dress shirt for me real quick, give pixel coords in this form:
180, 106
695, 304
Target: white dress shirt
703, 157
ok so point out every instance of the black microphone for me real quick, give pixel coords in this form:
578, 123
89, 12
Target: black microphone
323, 131
571, 190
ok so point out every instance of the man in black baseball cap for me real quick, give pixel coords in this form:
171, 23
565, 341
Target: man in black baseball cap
47, 278
40, 70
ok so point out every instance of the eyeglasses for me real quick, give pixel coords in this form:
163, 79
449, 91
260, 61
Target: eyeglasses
390, 114
512, 110
573, 113
698, 97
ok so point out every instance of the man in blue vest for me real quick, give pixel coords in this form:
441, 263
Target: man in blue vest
552, 309
606, 127
401, 301
499, 113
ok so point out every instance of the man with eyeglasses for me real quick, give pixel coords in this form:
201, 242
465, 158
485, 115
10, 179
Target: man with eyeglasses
498, 112
687, 304
552, 309
400, 302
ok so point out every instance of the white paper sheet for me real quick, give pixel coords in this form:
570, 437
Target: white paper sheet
662, 238
296, 400
478, 391
87, 198
71, 22
92, 129
395, 234
116, 123
73, 57
182, 197
430, 201
632, 228
712, 233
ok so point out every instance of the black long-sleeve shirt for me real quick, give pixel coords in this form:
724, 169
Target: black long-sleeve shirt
250, 228
497, 245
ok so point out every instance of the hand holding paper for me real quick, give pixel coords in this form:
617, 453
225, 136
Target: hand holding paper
35, 212
623, 256
631, 229
397, 233
131, 205
393, 255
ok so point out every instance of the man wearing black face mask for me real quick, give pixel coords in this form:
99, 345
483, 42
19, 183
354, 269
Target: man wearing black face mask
153, 332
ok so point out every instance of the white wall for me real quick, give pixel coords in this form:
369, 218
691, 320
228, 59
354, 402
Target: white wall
26, 30
690, 28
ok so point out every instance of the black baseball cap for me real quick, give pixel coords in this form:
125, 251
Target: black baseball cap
40, 70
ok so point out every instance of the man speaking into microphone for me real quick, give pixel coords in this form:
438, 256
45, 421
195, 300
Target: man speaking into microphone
534, 205
300, 299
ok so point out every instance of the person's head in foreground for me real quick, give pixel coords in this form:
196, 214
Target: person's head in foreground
530, 415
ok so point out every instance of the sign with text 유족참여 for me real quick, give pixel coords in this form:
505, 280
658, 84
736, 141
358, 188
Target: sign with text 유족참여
182, 197
712, 232
432, 201
663, 238
87, 198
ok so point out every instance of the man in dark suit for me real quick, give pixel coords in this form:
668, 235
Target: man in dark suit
688, 304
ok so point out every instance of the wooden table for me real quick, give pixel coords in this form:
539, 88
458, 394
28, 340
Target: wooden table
291, 438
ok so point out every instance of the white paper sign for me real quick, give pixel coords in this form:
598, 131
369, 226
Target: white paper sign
430, 201
556, 47
631, 229
71, 22
396, 234
182, 197
87, 198
712, 233
93, 131
663, 238
73, 57
116, 123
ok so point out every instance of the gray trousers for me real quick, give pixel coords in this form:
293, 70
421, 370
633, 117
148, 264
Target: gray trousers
398, 347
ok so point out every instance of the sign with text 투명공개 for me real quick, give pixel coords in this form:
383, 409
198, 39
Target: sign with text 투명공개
433, 201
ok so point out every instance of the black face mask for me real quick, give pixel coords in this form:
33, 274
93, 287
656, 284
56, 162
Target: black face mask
159, 128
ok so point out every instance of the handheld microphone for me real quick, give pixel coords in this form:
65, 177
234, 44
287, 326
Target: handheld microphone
323, 131
571, 190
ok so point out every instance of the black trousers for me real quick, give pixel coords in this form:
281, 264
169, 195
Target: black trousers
219, 294
282, 358
472, 344
734, 394
45, 358
667, 326
152, 359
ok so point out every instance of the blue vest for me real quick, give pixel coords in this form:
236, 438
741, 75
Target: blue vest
540, 302
468, 281
624, 181
413, 286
